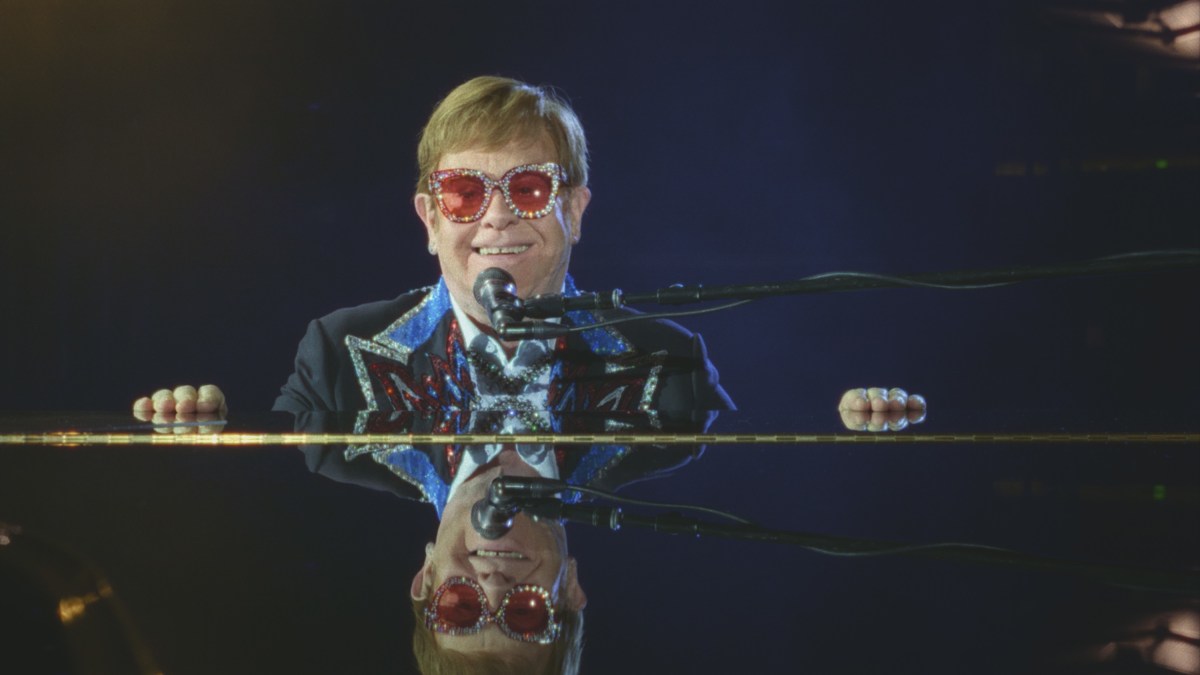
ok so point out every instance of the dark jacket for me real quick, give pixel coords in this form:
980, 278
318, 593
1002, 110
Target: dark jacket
404, 355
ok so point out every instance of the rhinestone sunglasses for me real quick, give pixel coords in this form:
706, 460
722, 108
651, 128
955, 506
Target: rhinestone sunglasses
460, 607
529, 190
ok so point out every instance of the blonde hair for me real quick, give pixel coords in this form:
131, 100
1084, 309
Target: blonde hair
491, 112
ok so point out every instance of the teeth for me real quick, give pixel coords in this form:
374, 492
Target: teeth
500, 250
512, 555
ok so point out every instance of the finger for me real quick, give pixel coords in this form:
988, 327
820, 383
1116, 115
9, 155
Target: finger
854, 399
916, 416
210, 399
184, 424
163, 401
898, 421
143, 415
855, 420
185, 398
877, 397
163, 419
897, 399
143, 406
209, 429
916, 402
878, 422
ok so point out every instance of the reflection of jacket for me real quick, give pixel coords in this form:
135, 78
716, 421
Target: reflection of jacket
365, 358
425, 472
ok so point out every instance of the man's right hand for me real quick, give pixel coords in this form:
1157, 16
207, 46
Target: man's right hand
183, 400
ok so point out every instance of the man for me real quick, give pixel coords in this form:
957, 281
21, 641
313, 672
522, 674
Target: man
503, 183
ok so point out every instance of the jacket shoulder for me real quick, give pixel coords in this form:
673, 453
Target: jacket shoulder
371, 318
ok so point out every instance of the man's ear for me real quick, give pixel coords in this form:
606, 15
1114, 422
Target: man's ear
427, 211
577, 202
423, 579
576, 599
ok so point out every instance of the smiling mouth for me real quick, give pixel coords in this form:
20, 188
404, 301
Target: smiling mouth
501, 250
510, 555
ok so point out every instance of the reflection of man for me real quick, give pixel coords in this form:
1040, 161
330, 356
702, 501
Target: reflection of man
513, 604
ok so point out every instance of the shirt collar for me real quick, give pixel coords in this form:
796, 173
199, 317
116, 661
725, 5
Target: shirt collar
478, 341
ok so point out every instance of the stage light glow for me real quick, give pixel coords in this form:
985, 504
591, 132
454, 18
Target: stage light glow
1186, 625
70, 609
1172, 32
1177, 656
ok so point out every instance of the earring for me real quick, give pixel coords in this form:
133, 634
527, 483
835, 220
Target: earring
432, 248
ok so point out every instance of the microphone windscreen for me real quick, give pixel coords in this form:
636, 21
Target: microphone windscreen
490, 275
488, 521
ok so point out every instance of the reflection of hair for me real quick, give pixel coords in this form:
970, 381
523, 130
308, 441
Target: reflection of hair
565, 655
490, 112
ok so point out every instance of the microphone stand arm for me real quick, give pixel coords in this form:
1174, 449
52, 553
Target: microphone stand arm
542, 306
611, 517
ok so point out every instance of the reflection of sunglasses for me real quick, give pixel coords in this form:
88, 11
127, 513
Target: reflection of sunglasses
464, 195
460, 607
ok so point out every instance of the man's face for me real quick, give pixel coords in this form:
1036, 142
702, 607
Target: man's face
535, 252
531, 553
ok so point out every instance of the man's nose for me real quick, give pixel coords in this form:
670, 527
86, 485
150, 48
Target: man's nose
495, 581
498, 216
493, 567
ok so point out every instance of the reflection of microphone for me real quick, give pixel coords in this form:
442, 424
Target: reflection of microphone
496, 291
509, 487
492, 516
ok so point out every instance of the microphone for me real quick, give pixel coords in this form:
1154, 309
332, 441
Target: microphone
527, 486
492, 516
496, 291
588, 514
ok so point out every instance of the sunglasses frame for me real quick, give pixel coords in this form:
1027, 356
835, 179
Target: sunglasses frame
486, 615
556, 174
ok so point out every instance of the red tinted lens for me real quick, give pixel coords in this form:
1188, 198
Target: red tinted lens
526, 613
530, 190
462, 195
459, 606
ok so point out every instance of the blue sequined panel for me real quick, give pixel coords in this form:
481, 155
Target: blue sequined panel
603, 341
415, 328
410, 462
593, 466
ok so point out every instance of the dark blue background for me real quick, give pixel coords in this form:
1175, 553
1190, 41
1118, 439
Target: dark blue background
184, 185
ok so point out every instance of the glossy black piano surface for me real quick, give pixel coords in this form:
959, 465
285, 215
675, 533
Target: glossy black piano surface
239, 559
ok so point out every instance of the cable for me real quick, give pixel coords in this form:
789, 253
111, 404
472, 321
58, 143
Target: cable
886, 550
657, 315
638, 502
873, 549
897, 280
904, 281
911, 548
